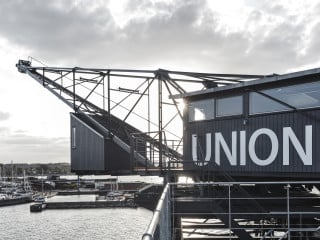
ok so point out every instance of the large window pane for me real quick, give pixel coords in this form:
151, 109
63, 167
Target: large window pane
229, 106
300, 96
201, 110
262, 104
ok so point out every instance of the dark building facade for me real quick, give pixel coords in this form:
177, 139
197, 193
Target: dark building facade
262, 128
93, 151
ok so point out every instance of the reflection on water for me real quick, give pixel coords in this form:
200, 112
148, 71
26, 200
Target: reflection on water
16, 222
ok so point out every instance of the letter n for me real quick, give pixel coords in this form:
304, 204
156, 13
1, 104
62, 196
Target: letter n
289, 136
231, 155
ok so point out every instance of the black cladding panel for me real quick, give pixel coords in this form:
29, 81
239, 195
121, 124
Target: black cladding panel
87, 147
93, 152
298, 124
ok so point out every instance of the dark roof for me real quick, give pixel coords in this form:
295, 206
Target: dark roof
263, 80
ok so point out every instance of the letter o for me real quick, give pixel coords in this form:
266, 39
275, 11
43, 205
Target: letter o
274, 147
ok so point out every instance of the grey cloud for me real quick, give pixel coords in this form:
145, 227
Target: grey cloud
52, 30
279, 48
4, 116
180, 32
24, 148
4, 131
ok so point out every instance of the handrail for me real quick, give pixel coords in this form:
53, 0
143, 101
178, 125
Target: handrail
251, 183
149, 234
154, 228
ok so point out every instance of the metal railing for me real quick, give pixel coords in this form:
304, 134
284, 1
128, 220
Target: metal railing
160, 225
245, 210
162, 156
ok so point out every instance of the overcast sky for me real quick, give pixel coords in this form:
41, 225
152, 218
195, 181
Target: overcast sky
239, 36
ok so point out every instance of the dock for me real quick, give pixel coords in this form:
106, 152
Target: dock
14, 201
81, 201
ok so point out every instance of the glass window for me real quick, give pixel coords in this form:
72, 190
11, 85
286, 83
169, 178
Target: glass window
262, 104
73, 138
201, 110
229, 106
300, 96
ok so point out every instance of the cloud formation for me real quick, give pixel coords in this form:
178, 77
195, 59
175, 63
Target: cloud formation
243, 36
4, 116
264, 37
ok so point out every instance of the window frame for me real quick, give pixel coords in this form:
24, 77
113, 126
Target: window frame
232, 115
200, 100
280, 111
73, 137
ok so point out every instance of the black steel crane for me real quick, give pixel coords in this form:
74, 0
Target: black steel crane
89, 92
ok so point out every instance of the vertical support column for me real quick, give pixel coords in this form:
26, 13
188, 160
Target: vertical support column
132, 151
74, 88
109, 106
300, 221
149, 126
160, 121
103, 95
149, 120
229, 210
42, 192
78, 183
165, 217
288, 210
11, 173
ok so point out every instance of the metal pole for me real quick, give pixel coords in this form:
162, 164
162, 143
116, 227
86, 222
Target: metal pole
300, 220
103, 96
132, 149
109, 107
288, 210
229, 193
149, 130
78, 183
160, 121
11, 173
24, 180
42, 181
74, 88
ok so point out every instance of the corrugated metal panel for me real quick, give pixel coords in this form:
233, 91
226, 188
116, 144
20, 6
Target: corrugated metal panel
117, 160
276, 122
89, 153
95, 153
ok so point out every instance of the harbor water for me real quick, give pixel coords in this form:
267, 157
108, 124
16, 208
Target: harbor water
17, 222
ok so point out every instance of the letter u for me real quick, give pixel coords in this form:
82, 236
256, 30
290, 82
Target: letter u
201, 162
